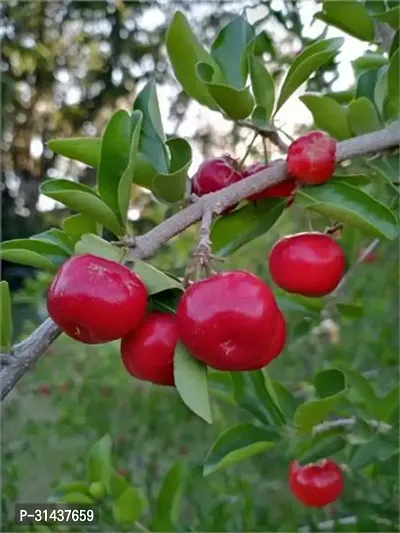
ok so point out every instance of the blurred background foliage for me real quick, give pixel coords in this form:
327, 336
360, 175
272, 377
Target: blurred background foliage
66, 66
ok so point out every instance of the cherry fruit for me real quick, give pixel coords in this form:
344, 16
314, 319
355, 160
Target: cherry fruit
311, 264
311, 158
231, 321
148, 352
316, 484
280, 190
94, 300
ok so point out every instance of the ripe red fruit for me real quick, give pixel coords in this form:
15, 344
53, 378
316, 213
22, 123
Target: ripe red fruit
317, 484
311, 158
148, 351
94, 300
311, 264
229, 321
280, 190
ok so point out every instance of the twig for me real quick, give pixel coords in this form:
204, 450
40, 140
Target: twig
202, 256
248, 149
381, 427
270, 134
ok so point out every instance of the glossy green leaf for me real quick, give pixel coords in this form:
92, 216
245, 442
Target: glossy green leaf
370, 60
299, 304
77, 225
342, 97
380, 90
169, 499
328, 115
77, 498
74, 486
395, 43
233, 230
390, 17
262, 85
263, 44
99, 462
237, 444
387, 404
166, 301
84, 149
170, 187
229, 50
393, 79
366, 84
361, 391
313, 412
329, 382
132, 171
129, 506
58, 237
320, 447
155, 280
373, 451
362, 116
83, 199
285, 399
349, 204
356, 180
308, 61
6, 324
118, 485
387, 167
35, 253
271, 399
350, 16
95, 245
191, 383
350, 311
180, 37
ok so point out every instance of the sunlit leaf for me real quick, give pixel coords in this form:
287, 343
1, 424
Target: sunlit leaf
84, 149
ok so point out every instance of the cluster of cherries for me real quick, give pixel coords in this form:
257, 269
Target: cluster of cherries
230, 320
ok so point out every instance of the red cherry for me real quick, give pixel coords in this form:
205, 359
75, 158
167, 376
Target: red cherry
214, 175
229, 320
44, 390
311, 264
280, 190
94, 300
316, 485
148, 352
311, 158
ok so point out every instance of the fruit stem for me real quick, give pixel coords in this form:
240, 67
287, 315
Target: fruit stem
248, 149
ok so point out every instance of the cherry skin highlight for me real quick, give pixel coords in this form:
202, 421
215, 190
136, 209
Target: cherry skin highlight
311, 158
310, 264
316, 484
148, 351
280, 190
228, 321
94, 300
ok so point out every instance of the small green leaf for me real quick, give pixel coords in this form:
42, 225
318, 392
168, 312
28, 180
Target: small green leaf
35, 253
395, 43
350, 311
191, 382
169, 499
129, 506
390, 17
180, 37
232, 231
350, 16
95, 245
387, 404
320, 447
6, 325
308, 61
97, 490
84, 149
328, 115
387, 167
356, 180
285, 399
349, 204
329, 382
394, 77
99, 462
83, 199
237, 444
166, 301
366, 454
311, 413
58, 237
170, 187
77, 498
370, 60
361, 391
77, 225
262, 85
155, 280
366, 84
118, 485
362, 116
299, 304
74, 486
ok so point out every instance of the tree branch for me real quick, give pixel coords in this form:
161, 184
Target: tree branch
26, 353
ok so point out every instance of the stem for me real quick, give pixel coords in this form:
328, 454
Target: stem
248, 149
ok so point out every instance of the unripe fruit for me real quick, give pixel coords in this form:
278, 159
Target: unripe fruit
280, 190
311, 158
148, 352
94, 300
97, 490
311, 264
316, 485
229, 321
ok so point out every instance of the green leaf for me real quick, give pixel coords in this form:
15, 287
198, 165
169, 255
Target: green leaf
35, 253
129, 506
356, 180
58, 237
350, 311
329, 382
361, 391
118, 485
6, 324
349, 204
342, 97
128, 177
380, 90
232, 231
114, 159
169, 499
95, 245
180, 37
366, 84
74, 486
320, 447
170, 187
387, 167
83, 199
166, 301
191, 382
285, 399
77, 225
99, 462
362, 116
299, 304
387, 404
328, 115
395, 43
311, 413
77, 498
394, 76
155, 280
373, 451
390, 17
308, 61
152, 138
262, 85
236, 103
237, 444
350, 16
84, 149
370, 60
229, 50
